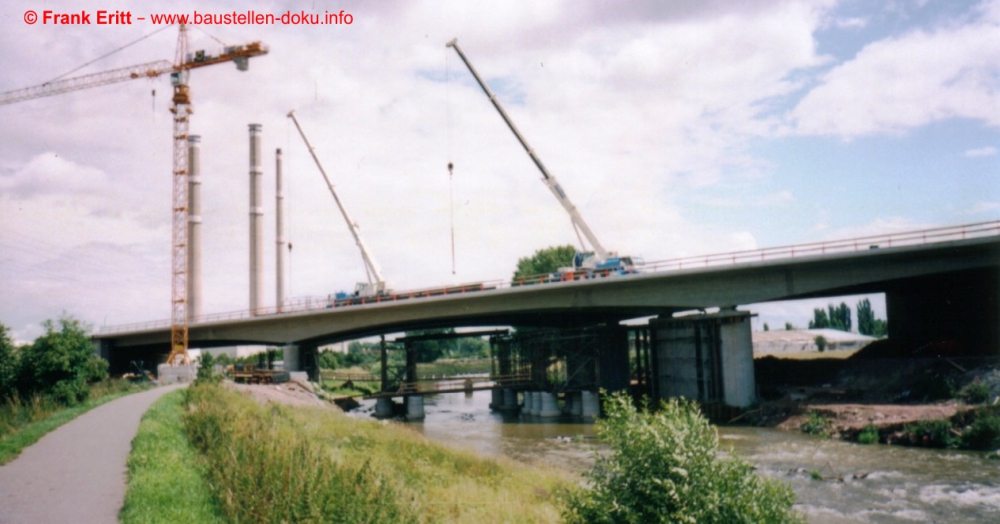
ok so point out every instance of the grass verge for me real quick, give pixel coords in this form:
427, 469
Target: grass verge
274, 463
25, 422
165, 484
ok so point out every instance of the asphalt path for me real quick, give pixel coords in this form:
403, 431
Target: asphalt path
76, 473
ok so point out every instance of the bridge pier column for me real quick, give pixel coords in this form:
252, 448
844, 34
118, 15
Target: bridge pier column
708, 358
415, 407
383, 407
576, 407
509, 400
529, 403
549, 407
590, 404
496, 399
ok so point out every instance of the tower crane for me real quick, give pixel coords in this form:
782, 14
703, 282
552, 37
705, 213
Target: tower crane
596, 259
181, 108
375, 285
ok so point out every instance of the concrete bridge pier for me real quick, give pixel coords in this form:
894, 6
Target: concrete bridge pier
529, 403
536, 403
415, 407
383, 407
548, 405
302, 357
576, 407
509, 400
590, 404
708, 358
496, 399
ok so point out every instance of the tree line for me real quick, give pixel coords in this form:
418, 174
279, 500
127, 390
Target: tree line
839, 317
59, 364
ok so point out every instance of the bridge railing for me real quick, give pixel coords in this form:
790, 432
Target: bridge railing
865, 243
908, 238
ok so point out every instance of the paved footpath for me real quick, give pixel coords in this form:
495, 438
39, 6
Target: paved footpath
76, 473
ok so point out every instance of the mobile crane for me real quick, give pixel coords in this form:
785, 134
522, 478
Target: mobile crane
593, 262
181, 109
376, 284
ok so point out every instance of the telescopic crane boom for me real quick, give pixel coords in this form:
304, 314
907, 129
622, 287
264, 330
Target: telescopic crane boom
376, 284
550, 181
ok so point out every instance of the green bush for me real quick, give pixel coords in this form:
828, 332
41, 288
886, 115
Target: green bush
974, 393
816, 424
206, 367
984, 432
663, 466
932, 433
60, 363
868, 435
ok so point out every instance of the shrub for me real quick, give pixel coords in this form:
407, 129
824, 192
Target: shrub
974, 393
821, 343
816, 424
932, 433
206, 367
61, 363
663, 466
984, 432
868, 435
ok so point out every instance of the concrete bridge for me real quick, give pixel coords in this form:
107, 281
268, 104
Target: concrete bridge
940, 285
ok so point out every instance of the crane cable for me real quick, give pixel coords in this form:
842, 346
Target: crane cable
108, 54
451, 166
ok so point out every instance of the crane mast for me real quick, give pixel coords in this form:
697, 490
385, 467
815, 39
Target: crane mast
550, 181
181, 109
375, 281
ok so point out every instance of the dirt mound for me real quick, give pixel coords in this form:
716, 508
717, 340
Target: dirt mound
289, 393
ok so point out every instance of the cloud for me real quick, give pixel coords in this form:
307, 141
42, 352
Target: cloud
981, 152
902, 82
851, 23
879, 226
981, 207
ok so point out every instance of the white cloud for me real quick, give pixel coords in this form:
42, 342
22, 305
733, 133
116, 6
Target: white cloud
981, 207
899, 83
879, 226
851, 23
981, 152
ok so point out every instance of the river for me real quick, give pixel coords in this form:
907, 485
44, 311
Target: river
877, 483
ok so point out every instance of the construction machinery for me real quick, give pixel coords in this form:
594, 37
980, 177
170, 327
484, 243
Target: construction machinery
375, 286
595, 261
181, 108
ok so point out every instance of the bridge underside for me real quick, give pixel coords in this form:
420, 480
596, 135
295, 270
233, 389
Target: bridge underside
944, 295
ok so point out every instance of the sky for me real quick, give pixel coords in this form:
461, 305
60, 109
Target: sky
677, 128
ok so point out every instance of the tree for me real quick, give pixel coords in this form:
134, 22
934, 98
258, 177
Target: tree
821, 343
206, 367
820, 320
835, 317
766, 327
789, 326
664, 467
61, 363
867, 323
547, 260
8, 364
430, 350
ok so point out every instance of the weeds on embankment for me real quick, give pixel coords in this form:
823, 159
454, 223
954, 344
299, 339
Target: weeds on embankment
23, 422
274, 464
165, 483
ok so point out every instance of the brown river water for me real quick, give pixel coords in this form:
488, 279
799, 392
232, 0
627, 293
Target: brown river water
878, 483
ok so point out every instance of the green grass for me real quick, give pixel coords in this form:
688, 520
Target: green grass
24, 423
274, 463
165, 483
